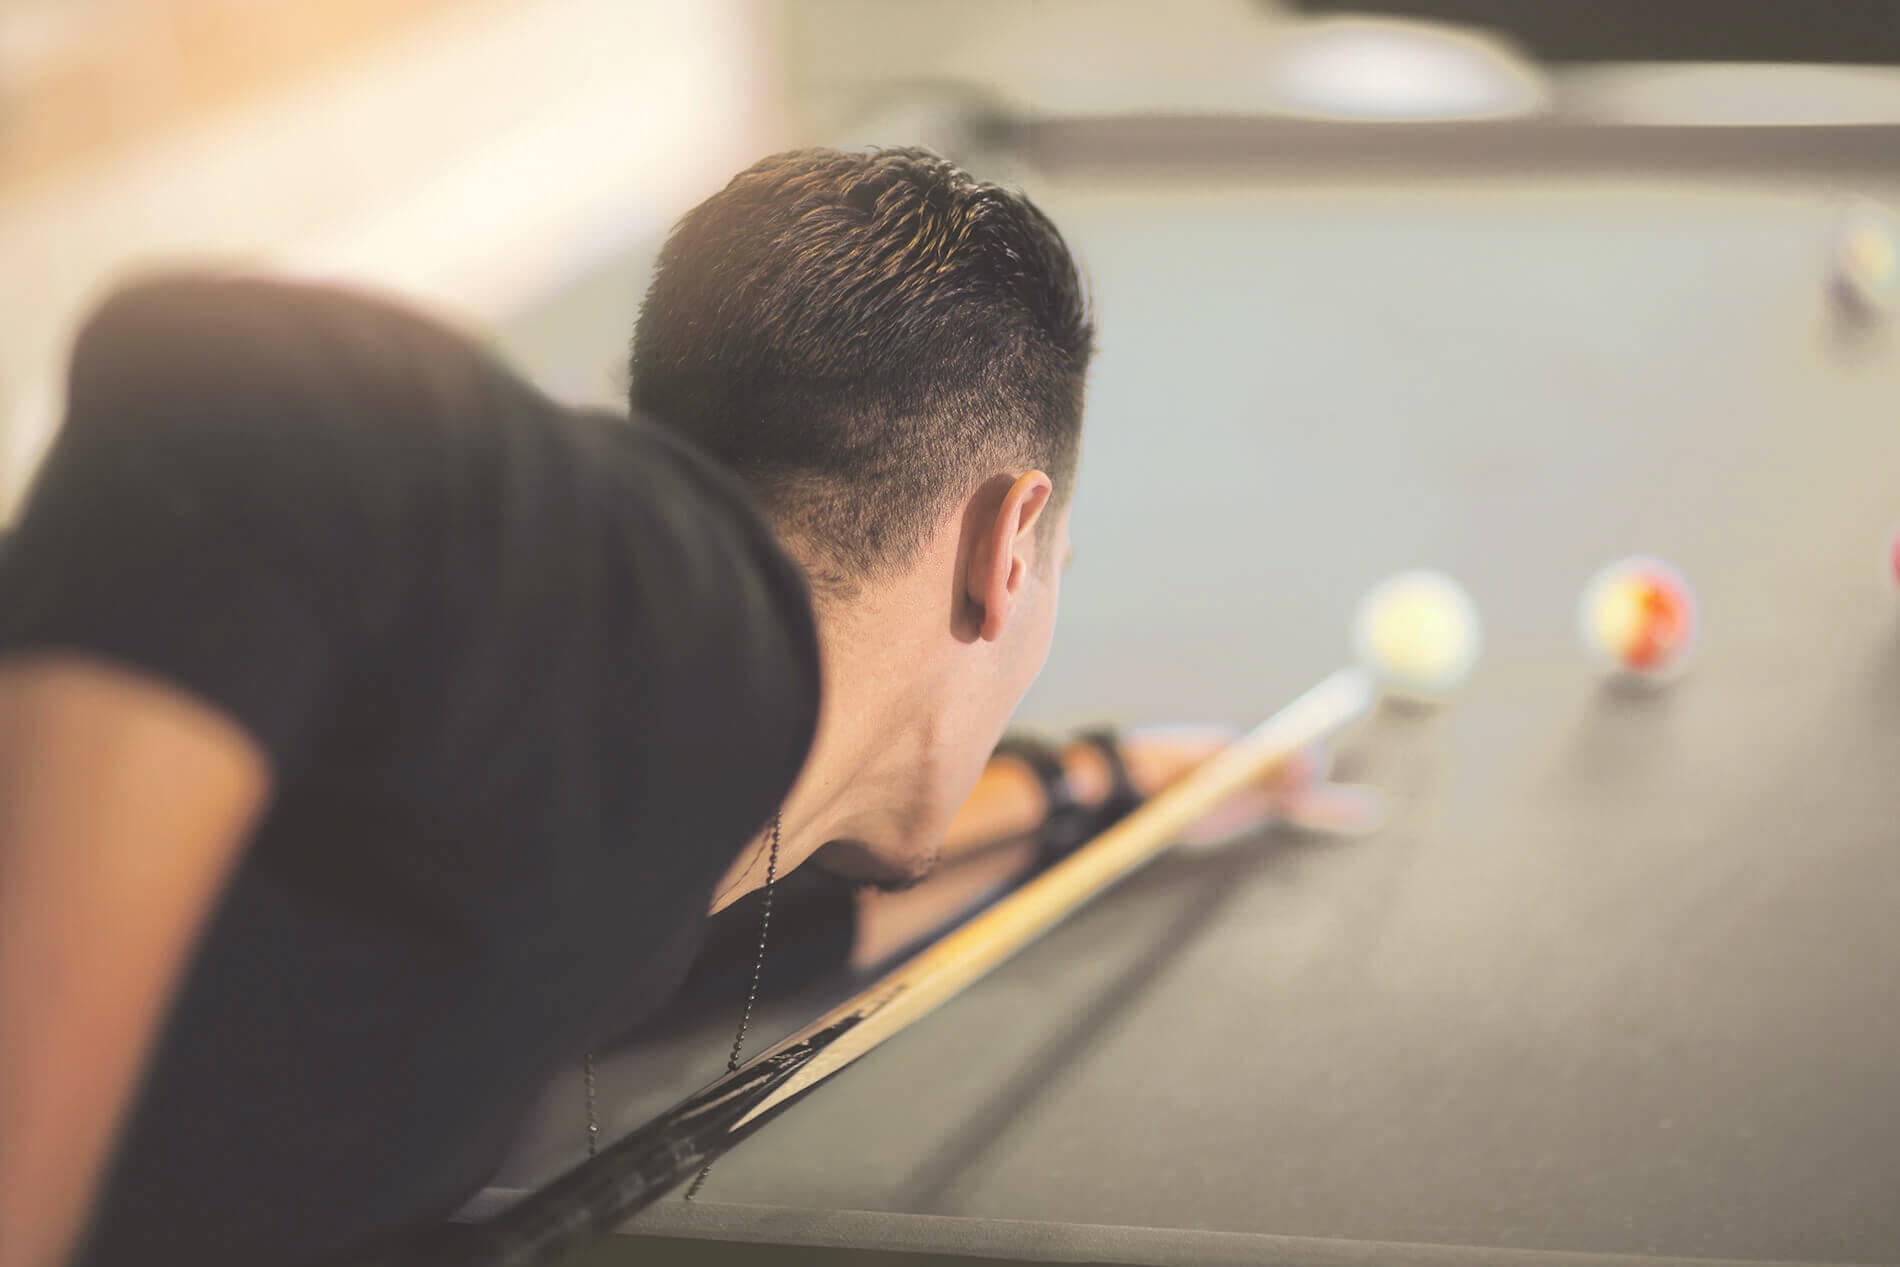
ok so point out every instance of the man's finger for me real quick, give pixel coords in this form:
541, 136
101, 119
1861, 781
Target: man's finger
1331, 809
1335, 809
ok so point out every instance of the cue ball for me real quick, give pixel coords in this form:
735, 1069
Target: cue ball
1638, 620
1418, 633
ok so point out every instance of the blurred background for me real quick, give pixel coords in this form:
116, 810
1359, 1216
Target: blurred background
1398, 195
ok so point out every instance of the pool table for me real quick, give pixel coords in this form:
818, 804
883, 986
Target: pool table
1620, 980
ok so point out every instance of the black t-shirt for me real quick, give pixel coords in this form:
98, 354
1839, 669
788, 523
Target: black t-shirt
528, 679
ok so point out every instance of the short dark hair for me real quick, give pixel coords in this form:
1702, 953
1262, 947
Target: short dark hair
862, 336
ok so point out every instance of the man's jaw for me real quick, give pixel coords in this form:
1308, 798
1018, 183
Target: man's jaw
863, 865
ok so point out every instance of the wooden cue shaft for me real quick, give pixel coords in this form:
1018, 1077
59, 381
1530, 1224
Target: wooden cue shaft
597, 1195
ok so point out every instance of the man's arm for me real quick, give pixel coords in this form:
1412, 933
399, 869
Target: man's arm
988, 840
123, 805
988, 845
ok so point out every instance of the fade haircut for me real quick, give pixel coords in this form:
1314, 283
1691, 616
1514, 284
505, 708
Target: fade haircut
863, 337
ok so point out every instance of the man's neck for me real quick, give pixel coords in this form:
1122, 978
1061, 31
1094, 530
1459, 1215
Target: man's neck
871, 746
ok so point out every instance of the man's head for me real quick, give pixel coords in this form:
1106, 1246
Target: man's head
892, 355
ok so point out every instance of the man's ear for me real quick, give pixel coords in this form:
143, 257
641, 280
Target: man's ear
1005, 551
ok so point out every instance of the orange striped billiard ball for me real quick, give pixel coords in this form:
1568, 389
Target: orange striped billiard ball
1638, 619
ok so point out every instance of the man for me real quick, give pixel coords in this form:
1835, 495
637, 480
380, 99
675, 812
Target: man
375, 735
866, 340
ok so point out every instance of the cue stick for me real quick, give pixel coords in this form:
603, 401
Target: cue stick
597, 1195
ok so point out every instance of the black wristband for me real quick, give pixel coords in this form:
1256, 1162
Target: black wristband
1123, 796
1066, 822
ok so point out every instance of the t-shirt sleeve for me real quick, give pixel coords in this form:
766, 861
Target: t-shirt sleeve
201, 517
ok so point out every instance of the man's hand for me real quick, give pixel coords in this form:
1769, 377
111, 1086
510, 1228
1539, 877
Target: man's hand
123, 805
1298, 794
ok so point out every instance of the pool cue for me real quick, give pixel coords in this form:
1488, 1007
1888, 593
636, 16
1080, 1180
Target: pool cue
599, 1194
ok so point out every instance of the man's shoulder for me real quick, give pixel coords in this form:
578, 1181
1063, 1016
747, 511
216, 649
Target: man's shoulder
236, 352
